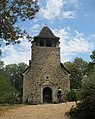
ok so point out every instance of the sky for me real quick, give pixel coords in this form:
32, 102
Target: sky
71, 20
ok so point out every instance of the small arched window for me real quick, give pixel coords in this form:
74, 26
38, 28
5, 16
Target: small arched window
48, 43
41, 43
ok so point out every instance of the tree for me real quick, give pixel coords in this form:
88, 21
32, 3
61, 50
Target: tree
92, 56
7, 92
0, 52
10, 12
85, 109
11, 83
14, 72
1, 65
77, 69
91, 65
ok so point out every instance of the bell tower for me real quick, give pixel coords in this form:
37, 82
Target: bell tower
45, 73
46, 39
45, 48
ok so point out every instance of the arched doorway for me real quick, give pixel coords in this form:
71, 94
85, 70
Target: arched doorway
47, 95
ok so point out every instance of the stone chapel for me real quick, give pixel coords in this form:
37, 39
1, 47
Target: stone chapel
45, 72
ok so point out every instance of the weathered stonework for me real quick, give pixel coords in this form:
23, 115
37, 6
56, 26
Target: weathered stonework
45, 72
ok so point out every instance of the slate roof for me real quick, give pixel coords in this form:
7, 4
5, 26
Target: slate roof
27, 70
64, 69
46, 33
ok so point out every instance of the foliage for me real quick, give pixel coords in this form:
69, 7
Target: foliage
10, 12
14, 72
1, 65
85, 109
7, 92
91, 66
0, 52
11, 82
11, 78
77, 70
72, 95
92, 56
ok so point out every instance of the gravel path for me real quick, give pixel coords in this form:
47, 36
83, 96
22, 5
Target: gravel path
45, 111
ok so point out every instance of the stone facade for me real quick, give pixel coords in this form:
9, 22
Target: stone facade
45, 72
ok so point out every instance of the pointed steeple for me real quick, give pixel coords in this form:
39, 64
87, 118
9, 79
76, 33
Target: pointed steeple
46, 33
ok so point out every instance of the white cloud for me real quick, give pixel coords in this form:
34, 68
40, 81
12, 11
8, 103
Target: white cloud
55, 8
17, 53
35, 29
72, 44
69, 14
76, 3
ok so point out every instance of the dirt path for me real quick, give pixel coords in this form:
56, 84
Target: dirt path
46, 111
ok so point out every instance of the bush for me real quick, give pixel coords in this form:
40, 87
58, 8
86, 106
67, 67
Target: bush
71, 96
85, 109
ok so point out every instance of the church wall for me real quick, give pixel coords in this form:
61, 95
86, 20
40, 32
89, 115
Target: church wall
45, 63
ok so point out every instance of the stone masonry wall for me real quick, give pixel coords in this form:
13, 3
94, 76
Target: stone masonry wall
45, 63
